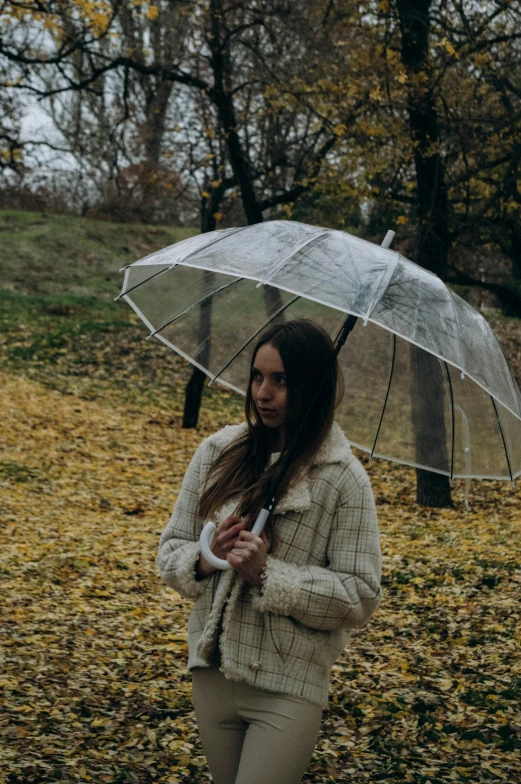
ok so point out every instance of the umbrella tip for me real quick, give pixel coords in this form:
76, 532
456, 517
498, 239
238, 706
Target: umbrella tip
388, 239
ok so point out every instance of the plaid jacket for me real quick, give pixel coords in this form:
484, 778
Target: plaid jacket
321, 580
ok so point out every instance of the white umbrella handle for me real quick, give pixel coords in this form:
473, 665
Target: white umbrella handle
207, 535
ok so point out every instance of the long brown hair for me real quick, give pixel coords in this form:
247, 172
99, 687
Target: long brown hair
242, 468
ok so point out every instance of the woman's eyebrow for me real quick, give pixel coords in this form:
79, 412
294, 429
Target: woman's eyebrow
275, 372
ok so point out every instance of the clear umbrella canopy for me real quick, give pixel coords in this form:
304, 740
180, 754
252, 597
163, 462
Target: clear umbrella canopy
426, 381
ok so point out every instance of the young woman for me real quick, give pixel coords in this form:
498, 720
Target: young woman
263, 635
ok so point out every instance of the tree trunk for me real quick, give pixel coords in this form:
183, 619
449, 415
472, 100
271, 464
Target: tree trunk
510, 235
432, 489
223, 98
434, 241
194, 388
514, 235
193, 396
433, 247
429, 405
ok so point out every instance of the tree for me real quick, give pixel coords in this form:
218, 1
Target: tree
432, 489
463, 113
457, 185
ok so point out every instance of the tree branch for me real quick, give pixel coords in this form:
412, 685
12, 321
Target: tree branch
509, 296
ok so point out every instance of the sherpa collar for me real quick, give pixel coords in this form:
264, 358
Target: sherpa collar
334, 449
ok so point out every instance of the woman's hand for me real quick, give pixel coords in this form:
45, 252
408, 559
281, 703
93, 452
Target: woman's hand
248, 556
222, 543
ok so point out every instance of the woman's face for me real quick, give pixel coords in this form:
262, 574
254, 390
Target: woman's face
268, 387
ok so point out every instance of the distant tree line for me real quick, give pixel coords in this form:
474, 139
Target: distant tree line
362, 116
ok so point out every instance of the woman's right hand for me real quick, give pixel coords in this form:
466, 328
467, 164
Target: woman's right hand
223, 542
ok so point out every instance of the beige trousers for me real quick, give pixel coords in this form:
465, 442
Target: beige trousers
251, 736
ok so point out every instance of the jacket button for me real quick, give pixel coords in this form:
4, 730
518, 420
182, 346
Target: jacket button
255, 665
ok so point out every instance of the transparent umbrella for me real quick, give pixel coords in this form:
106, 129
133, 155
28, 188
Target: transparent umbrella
427, 383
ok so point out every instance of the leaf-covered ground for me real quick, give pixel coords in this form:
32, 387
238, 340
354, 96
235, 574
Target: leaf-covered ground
93, 646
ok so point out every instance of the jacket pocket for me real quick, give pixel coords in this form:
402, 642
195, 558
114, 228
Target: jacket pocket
274, 636
289, 636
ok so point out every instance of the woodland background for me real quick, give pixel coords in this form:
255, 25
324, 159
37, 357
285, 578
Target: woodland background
125, 126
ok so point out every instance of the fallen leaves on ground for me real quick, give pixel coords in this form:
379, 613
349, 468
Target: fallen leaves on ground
94, 646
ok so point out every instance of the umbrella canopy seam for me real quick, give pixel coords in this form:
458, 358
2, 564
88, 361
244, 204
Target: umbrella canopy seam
124, 291
456, 321
265, 281
169, 267
252, 337
386, 396
452, 422
513, 384
382, 286
503, 438
193, 305
409, 463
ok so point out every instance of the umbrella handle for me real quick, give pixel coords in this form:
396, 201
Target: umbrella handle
206, 540
207, 535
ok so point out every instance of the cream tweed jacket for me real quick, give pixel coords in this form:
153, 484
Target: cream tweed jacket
321, 580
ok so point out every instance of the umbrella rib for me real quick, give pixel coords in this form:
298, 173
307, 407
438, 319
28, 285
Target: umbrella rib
291, 255
513, 383
503, 438
247, 342
386, 396
137, 285
456, 322
383, 285
452, 431
193, 305
180, 263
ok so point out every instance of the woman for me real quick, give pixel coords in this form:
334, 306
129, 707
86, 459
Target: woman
263, 635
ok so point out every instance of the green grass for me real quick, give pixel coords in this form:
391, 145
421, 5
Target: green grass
59, 323
51, 254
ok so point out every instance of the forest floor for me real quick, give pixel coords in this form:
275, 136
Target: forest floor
93, 645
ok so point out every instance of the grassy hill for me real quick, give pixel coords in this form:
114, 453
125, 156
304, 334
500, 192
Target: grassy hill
59, 323
51, 255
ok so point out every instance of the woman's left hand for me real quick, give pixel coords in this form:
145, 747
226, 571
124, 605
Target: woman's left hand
248, 556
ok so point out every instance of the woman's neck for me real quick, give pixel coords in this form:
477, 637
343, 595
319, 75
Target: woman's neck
277, 441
